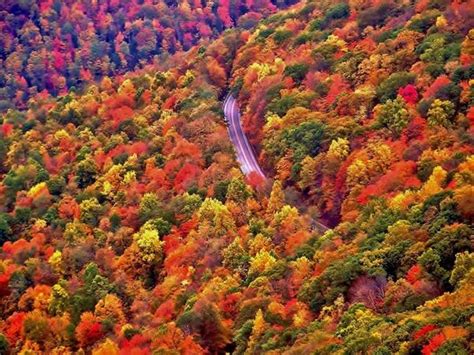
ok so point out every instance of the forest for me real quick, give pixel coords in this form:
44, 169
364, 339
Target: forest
127, 226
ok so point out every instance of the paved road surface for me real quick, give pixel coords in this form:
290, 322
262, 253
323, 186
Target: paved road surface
245, 154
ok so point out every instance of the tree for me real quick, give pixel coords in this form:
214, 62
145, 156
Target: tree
393, 115
5, 229
462, 266
149, 207
464, 197
215, 219
277, 199
257, 331
110, 309
149, 245
441, 113
89, 330
86, 173
90, 211
108, 347
204, 320
387, 90
238, 191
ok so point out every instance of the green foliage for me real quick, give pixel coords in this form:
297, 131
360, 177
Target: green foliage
439, 258
462, 266
335, 281
281, 36
441, 113
4, 344
394, 115
297, 71
90, 211
5, 229
454, 347
387, 90
56, 185
304, 139
86, 173
238, 191
149, 207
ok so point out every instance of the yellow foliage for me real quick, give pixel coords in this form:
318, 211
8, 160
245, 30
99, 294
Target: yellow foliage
276, 308
339, 149
149, 245
130, 176
259, 324
110, 307
107, 188
262, 262
61, 134
434, 183
108, 347
277, 198
357, 174
55, 260
36, 189
259, 243
301, 318
262, 70
403, 200
441, 22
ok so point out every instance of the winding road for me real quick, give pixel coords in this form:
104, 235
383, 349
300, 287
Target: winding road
245, 154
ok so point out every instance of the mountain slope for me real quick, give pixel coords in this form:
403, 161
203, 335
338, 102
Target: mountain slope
127, 226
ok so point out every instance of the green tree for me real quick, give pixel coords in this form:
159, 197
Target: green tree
462, 266
387, 90
394, 115
441, 113
149, 207
86, 173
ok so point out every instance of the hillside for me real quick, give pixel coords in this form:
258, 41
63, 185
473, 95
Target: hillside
53, 46
127, 226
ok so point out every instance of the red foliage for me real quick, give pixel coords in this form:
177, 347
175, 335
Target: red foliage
401, 175
223, 13
185, 177
338, 86
439, 83
424, 330
88, 332
119, 115
169, 103
409, 94
6, 129
138, 344
165, 311
255, 180
434, 344
14, 326
69, 208
413, 274
4, 280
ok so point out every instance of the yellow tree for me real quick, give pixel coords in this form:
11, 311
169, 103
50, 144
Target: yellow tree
277, 198
257, 331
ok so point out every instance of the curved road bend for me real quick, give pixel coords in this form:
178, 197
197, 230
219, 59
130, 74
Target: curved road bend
245, 155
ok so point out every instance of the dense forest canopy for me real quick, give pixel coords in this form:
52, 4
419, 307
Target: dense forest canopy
127, 227
55, 45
